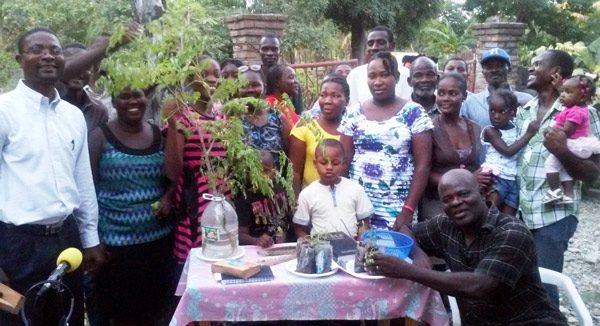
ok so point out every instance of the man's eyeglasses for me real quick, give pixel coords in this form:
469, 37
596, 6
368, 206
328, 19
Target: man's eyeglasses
38, 50
256, 68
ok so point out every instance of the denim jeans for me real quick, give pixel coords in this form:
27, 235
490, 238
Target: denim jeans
551, 242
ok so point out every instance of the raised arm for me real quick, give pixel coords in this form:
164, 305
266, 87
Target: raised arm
494, 137
97, 51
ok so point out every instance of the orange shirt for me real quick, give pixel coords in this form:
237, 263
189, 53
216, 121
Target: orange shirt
286, 108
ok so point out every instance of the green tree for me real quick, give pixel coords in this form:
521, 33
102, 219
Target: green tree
71, 20
548, 21
355, 17
83, 21
438, 39
309, 36
587, 57
446, 35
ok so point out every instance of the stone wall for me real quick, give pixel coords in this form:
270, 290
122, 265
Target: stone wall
498, 35
247, 29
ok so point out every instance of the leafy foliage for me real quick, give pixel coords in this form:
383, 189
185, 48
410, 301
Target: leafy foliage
71, 20
438, 39
587, 57
9, 71
446, 35
404, 17
548, 21
309, 18
169, 57
309, 36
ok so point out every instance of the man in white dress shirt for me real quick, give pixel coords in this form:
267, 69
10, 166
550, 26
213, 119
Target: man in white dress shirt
47, 196
379, 39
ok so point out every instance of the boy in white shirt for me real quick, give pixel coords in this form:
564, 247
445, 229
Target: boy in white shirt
332, 203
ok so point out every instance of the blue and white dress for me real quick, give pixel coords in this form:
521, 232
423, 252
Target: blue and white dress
383, 159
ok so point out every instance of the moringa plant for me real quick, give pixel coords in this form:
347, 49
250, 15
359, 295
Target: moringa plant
168, 56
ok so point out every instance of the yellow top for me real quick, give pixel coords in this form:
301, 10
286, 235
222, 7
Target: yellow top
311, 134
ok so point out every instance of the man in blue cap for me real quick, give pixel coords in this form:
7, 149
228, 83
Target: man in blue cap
495, 65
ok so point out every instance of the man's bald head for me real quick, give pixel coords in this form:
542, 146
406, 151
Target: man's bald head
464, 205
422, 63
456, 176
423, 79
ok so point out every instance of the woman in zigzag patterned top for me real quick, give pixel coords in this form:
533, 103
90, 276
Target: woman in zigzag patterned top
127, 160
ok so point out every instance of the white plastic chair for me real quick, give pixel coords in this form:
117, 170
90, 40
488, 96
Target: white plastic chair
548, 277
564, 282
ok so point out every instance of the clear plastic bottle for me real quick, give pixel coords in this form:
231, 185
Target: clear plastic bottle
219, 228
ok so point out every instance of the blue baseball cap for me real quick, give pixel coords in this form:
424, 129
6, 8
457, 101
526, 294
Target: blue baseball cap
495, 53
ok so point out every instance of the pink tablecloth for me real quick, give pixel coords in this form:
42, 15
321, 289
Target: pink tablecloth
290, 297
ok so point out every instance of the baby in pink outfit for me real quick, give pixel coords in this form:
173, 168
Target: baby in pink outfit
574, 120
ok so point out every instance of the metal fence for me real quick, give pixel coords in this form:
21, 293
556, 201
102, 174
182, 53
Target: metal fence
310, 75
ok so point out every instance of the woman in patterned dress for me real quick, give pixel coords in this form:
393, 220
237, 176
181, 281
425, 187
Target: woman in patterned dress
388, 142
264, 129
127, 160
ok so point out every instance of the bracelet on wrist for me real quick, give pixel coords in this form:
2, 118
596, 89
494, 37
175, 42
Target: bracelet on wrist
409, 208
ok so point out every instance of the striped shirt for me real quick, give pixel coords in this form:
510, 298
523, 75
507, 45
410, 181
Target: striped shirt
532, 174
189, 204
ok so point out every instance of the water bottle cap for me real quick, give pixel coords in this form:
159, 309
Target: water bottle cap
212, 197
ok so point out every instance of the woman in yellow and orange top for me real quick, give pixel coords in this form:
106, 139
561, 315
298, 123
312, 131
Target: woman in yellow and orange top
305, 137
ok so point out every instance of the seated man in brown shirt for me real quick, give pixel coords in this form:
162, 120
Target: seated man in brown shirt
494, 273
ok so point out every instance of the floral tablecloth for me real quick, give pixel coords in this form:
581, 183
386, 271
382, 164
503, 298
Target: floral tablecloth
291, 297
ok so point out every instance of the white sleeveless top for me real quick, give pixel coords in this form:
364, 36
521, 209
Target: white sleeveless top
507, 166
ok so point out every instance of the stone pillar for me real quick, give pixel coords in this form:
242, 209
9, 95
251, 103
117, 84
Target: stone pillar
247, 29
498, 35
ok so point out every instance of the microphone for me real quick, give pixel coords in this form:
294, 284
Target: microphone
68, 261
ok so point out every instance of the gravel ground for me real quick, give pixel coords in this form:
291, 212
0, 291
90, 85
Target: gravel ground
582, 261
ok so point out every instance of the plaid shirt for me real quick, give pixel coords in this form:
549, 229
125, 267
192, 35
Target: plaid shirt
532, 174
504, 250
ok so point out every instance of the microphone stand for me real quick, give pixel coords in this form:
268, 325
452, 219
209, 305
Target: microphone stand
47, 307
